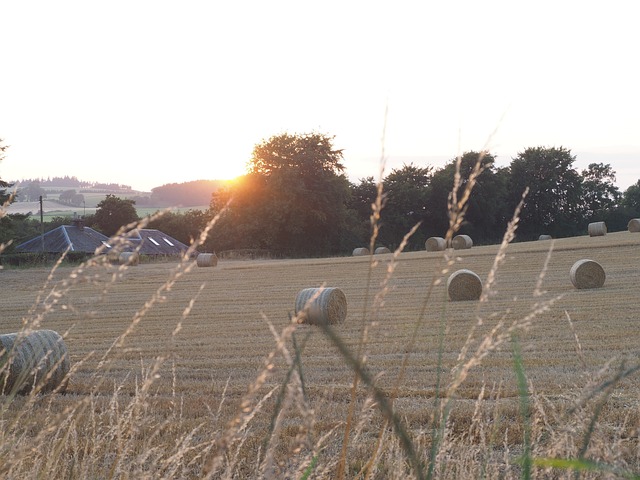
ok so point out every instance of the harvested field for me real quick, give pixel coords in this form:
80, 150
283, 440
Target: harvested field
214, 354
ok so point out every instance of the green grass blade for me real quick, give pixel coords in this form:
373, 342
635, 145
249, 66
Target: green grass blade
523, 393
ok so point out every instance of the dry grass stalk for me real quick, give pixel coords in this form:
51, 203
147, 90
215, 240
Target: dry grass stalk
597, 229
360, 251
461, 242
435, 244
634, 225
129, 258
464, 285
207, 260
587, 273
37, 360
321, 306
381, 250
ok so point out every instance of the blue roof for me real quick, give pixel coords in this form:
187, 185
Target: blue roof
76, 238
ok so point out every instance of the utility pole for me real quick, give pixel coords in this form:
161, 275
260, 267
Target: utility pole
41, 224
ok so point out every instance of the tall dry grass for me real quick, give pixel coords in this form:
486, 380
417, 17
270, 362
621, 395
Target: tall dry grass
146, 422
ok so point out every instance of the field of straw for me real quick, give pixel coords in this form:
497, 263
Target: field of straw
202, 373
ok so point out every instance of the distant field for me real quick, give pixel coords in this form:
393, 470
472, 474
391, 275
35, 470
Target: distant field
213, 355
52, 208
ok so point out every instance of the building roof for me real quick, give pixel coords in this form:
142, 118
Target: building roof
76, 238
149, 241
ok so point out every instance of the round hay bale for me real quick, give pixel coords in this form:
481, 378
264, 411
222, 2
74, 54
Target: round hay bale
634, 225
358, 252
464, 285
545, 237
597, 229
587, 274
328, 307
435, 244
461, 242
381, 250
129, 258
207, 260
38, 359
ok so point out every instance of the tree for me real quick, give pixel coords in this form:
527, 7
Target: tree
185, 227
599, 192
362, 196
407, 194
552, 205
486, 210
292, 201
631, 198
306, 154
4, 195
32, 192
71, 197
114, 212
14, 228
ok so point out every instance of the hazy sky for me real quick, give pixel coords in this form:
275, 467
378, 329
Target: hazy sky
150, 92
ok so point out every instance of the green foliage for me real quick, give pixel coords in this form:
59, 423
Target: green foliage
306, 154
599, 192
17, 228
71, 197
487, 214
32, 192
363, 195
407, 196
553, 203
114, 212
631, 198
4, 194
184, 227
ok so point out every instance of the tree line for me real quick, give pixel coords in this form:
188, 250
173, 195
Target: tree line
295, 200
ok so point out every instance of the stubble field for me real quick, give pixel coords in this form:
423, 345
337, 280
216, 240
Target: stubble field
162, 403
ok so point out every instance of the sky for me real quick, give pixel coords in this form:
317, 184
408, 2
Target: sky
145, 93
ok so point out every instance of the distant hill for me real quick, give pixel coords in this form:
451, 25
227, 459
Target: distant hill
196, 193
67, 182
188, 194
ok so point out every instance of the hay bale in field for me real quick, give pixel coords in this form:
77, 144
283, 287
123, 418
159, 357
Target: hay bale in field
328, 307
461, 242
597, 229
129, 258
207, 260
464, 285
435, 244
634, 225
381, 250
38, 359
545, 237
358, 252
587, 273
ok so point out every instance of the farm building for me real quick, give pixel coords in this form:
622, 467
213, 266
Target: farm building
149, 241
78, 238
